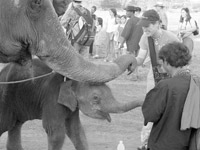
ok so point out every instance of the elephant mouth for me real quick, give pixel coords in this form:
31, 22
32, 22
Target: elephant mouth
104, 115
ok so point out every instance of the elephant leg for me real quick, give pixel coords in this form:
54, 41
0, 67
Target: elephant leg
75, 131
54, 125
14, 137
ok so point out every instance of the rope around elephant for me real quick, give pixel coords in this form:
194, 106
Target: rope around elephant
25, 80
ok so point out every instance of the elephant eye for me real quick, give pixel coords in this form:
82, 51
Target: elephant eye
96, 99
35, 8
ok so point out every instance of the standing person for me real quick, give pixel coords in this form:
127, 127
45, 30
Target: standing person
117, 35
150, 22
131, 33
163, 16
138, 12
97, 43
85, 19
166, 105
93, 11
94, 17
110, 35
121, 28
186, 26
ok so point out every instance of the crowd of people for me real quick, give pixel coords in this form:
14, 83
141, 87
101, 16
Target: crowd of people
169, 80
170, 57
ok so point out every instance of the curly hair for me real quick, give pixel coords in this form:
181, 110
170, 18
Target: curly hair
176, 54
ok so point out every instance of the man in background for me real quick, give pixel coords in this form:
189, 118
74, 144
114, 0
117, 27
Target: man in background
94, 17
163, 16
132, 32
138, 12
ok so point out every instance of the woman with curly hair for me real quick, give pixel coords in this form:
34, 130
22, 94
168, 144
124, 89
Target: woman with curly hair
163, 105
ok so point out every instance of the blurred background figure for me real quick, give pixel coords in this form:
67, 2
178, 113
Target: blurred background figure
111, 27
131, 35
97, 44
163, 16
94, 17
138, 12
186, 28
116, 35
123, 20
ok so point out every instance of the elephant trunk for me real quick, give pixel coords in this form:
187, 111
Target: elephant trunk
59, 55
117, 107
77, 68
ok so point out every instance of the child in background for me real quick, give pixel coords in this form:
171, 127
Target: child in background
116, 35
123, 20
97, 44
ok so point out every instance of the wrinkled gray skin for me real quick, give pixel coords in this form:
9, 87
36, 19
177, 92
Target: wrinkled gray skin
31, 27
54, 101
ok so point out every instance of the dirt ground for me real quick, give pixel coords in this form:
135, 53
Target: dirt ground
102, 135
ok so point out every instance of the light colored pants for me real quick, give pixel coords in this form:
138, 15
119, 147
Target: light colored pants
110, 48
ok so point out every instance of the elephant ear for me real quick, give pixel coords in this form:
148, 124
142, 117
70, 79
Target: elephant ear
66, 96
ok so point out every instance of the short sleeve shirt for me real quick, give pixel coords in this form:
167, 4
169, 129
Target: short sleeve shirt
166, 37
163, 106
132, 34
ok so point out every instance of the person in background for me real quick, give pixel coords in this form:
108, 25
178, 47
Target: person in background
97, 43
131, 34
93, 11
111, 27
138, 12
163, 16
186, 24
94, 17
150, 22
116, 35
123, 21
166, 103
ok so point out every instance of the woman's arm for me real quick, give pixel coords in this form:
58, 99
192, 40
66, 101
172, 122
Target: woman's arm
140, 59
141, 56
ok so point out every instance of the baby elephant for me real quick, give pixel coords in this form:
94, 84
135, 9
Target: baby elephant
54, 99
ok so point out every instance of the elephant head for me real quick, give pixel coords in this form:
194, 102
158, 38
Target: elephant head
94, 100
32, 27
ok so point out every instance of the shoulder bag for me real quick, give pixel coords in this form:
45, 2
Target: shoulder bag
157, 75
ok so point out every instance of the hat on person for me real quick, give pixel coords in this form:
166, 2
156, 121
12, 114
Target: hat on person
130, 8
77, 1
148, 17
159, 4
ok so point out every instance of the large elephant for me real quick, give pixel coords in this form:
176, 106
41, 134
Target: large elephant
56, 100
32, 27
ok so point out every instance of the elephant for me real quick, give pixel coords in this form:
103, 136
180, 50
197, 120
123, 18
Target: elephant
32, 27
54, 99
